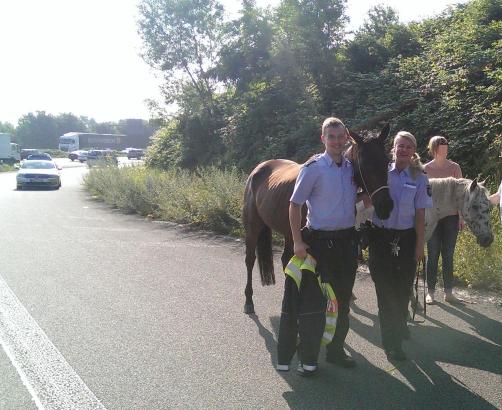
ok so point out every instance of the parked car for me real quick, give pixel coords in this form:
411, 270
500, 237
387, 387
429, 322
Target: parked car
82, 157
74, 155
136, 153
40, 156
101, 156
38, 173
26, 152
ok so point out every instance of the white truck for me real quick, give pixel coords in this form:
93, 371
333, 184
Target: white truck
73, 141
9, 151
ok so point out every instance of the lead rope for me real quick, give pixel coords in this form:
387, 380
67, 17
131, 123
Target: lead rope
415, 304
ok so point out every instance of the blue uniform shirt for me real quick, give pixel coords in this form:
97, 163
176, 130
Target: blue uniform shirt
408, 195
329, 191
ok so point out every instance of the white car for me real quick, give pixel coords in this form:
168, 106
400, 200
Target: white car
38, 173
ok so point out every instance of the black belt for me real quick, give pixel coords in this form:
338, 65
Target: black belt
394, 231
348, 233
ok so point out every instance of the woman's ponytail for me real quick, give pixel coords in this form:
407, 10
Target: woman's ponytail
416, 166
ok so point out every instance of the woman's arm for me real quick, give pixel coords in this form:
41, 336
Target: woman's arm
495, 198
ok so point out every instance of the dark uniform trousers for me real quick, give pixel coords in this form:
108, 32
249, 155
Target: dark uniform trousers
304, 311
393, 277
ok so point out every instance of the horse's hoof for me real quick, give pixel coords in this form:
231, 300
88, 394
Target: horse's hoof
248, 309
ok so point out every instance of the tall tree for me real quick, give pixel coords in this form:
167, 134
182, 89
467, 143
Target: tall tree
67, 122
245, 54
381, 38
313, 31
182, 38
37, 130
7, 127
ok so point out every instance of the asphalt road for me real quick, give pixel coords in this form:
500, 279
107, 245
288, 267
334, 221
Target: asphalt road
106, 309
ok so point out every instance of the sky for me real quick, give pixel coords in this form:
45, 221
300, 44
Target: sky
83, 56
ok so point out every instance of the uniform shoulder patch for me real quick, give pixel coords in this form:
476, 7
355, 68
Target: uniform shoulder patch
312, 159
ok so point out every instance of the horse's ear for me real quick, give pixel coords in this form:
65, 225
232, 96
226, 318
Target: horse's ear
384, 133
356, 137
473, 185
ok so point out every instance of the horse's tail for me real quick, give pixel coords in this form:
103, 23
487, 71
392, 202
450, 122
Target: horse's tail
250, 215
265, 256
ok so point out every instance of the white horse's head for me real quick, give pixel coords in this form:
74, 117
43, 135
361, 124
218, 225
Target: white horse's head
476, 213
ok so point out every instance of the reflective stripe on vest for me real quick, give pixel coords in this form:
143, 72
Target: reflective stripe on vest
294, 271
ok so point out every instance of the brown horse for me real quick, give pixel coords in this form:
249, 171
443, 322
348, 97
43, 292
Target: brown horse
266, 203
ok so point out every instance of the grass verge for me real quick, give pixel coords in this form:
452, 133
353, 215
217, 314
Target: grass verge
208, 198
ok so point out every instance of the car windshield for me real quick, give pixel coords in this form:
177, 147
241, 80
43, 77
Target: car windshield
38, 165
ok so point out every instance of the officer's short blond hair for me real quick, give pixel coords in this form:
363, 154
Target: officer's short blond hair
333, 122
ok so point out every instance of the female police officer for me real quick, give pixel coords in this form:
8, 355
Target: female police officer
397, 244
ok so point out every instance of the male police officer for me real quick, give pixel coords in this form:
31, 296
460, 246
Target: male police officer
326, 185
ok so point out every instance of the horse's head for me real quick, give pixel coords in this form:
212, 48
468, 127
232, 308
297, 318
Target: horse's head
371, 165
476, 213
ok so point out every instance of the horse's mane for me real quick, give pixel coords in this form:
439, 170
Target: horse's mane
368, 135
442, 184
449, 191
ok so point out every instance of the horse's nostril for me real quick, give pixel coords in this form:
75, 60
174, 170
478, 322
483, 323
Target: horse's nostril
485, 241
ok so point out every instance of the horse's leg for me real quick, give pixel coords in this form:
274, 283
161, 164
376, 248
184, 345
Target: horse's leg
254, 226
251, 239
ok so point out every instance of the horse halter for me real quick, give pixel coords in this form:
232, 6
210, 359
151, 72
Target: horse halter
364, 182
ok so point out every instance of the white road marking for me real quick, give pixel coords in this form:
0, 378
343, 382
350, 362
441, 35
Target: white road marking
51, 381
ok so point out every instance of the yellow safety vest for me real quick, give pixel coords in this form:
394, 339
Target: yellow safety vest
294, 271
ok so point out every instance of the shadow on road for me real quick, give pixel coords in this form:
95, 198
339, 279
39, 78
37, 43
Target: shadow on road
485, 327
421, 382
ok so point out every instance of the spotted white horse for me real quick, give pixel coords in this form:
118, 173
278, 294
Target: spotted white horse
466, 196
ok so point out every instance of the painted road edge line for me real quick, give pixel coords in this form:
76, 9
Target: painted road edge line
51, 381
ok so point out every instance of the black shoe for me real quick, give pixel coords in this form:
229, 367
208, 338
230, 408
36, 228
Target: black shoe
397, 355
306, 372
340, 358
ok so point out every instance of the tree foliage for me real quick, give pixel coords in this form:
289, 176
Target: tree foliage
42, 130
277, 73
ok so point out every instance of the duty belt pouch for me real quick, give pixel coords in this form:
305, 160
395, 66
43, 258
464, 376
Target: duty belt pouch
306, 235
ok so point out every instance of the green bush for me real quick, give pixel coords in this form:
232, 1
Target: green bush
480, 267
6, 167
